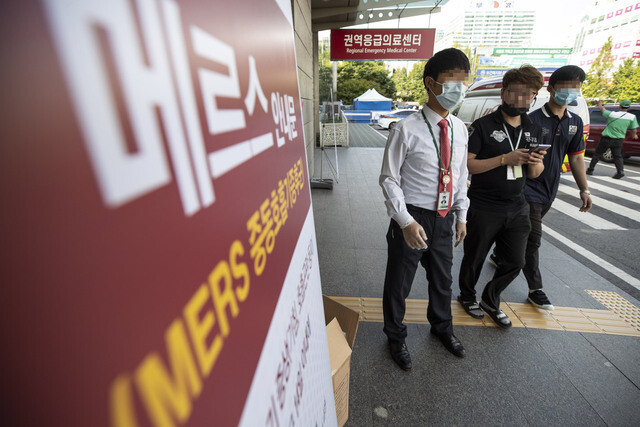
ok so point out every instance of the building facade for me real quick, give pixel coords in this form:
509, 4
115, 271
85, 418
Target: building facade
489, 23
619, 20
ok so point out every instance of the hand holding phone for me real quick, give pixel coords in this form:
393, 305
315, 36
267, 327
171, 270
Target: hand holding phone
540, 147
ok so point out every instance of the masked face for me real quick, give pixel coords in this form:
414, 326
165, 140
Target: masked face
565, 96
565, 92
513, 111
452, 94
516, 99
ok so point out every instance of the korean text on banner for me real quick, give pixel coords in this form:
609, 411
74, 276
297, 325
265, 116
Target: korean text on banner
155, 200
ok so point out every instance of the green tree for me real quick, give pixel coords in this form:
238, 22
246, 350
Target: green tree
325, 76
599, 81
361, 76
415, 83
400, 79
352, 88
626, 81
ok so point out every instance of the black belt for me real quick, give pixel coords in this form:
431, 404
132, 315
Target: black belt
423, 211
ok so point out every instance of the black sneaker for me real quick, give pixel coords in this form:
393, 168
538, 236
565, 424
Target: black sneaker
618, 175
540, 300
589, 171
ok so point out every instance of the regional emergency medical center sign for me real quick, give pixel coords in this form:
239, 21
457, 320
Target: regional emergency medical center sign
382, 44
159, 257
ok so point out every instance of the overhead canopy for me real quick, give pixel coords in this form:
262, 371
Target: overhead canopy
329, 14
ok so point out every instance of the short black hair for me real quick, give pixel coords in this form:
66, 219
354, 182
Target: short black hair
568, 73
527, 75
445, 60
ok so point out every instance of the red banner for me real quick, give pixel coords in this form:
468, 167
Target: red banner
382, 44
154, 188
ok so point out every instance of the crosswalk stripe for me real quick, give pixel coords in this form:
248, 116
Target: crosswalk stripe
605, 204
606, 188
585, 218
593, 257
610, 166
624, 182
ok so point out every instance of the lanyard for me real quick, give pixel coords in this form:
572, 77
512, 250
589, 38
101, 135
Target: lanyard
433, 138
509, 138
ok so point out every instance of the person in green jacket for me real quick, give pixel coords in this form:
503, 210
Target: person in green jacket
613, 135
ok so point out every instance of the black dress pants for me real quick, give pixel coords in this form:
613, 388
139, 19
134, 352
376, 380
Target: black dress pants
509, 230
402, 263
616, 152
531, 268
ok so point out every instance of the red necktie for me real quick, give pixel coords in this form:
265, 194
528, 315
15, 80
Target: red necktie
445, 155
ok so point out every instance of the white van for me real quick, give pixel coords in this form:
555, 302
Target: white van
483, 97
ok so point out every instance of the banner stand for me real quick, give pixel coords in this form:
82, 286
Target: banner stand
327, 183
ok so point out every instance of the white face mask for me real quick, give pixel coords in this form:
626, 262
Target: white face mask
452, 94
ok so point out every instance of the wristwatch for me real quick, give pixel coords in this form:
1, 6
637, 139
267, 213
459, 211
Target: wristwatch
585, 192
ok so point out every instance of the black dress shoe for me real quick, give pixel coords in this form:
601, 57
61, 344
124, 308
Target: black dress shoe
400, 354
451, 343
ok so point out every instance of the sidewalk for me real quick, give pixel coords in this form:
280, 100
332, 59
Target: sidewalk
528, 375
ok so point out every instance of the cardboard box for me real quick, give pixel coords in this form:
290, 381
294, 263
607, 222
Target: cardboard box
342, 325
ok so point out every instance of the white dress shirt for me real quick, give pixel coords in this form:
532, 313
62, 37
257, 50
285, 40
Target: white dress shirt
411, 171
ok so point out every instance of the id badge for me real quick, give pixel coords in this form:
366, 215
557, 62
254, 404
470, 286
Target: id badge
511, 175
517, 171
443, 200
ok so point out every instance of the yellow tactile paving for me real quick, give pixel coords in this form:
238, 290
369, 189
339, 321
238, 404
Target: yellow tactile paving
622, 318
620, 306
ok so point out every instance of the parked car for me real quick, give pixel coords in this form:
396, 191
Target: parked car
630, 147
483, 97
389, 120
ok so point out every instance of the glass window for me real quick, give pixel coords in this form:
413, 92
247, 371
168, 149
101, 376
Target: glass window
469, 108
596, 118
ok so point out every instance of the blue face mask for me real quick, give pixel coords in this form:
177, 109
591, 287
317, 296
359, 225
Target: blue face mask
452, 94
565, 96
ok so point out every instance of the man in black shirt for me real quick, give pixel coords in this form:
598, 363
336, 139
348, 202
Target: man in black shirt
563, 131
500, 159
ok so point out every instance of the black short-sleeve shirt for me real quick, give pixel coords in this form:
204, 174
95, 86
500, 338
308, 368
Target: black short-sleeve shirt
566, 137
491, 190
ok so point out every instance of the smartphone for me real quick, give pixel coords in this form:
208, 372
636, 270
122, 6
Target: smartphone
540, 147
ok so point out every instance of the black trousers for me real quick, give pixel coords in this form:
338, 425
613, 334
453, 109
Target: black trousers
402, 263
616, 152
531, 268
509, 231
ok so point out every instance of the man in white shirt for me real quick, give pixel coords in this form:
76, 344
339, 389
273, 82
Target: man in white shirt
424, 181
